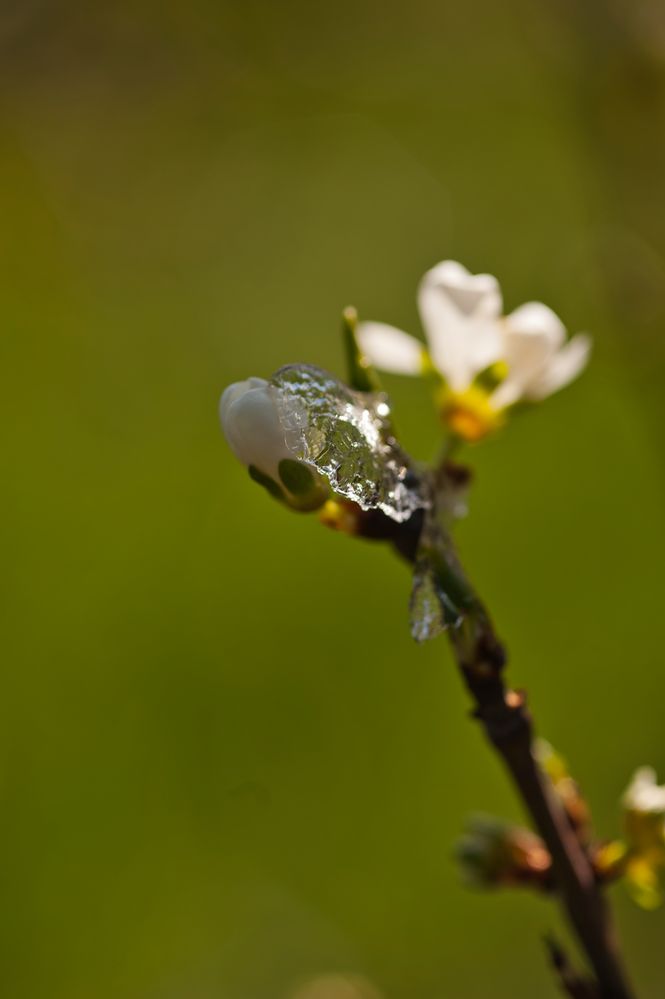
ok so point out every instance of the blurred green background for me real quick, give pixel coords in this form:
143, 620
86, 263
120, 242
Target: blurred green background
225, 768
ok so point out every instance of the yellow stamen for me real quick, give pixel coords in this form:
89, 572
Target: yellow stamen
469, 414
340, 515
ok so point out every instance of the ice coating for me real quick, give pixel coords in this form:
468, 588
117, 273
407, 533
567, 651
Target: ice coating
426, 613
432, 609
347, 436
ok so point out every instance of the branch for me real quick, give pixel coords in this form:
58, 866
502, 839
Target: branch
508, 726
571, 982
503, 714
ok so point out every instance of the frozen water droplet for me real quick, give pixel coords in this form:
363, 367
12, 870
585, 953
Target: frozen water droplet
347, 436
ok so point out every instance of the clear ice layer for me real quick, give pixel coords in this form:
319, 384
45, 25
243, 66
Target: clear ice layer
426, 613
347, 436
432, 609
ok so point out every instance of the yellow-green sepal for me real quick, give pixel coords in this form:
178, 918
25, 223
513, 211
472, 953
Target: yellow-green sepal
361, 375
306, 489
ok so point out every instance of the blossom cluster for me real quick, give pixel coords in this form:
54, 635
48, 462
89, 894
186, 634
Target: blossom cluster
483, 364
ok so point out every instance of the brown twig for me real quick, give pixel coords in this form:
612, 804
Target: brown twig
571, 982
508, 726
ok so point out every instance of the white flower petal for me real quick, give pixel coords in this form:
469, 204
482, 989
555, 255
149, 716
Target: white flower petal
235, 391
507, 394
531, 336
539, 359
644, 794
536, 319
251, 424
565, 366
390, 349
466, 293
459, 313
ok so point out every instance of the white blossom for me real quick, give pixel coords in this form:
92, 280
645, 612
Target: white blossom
644, 795
526, 352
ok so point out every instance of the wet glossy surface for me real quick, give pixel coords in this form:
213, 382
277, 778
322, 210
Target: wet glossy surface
347, 436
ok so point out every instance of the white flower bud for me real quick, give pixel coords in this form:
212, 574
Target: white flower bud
250, 421
252, 427
526, 354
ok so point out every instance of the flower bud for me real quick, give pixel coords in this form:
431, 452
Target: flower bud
250, 421
494, 853
644, 823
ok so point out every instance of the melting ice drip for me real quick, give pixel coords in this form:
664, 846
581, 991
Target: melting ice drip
346, 435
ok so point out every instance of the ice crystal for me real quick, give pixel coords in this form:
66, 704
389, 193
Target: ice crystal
347, 436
